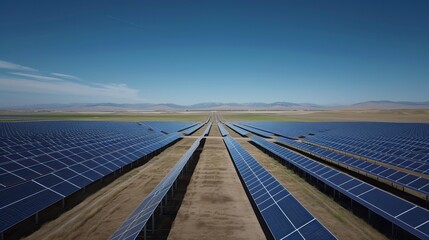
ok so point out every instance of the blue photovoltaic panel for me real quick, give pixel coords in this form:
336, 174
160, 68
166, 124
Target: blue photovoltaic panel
170, 126
61, 158
136, 222
415, 162
222, 130
285, 217
404, 145
388, 206
192, 129
240, 131
413, 182
254, 130
207, 131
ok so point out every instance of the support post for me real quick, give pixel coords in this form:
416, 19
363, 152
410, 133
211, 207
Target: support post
427, 202
153, 224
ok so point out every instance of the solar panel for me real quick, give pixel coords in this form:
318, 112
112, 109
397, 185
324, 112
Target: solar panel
414, 182
207, 131
285, 217
192, 129
380, 154
404, 145
71, 156
222, 130
240, 131
254, 130
170, 126
136, 222
388, 206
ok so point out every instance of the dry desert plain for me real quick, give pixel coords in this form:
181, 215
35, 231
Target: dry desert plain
215, 205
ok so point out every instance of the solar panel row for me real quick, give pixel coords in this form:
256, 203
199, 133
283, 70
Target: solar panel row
207, 131
415, 132
35, 149
20, 167
82, 163
399, 212
398, 144
222, 130
136, 222
192, 129
283, 129
285, 217
170, 126
377, 153
401, 178
240, 131
414, 149
254, 130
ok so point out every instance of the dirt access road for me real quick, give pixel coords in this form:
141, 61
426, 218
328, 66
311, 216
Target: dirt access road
215, 205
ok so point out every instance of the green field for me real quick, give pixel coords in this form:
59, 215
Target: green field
273, 117
25, 117
409, 115
399, 115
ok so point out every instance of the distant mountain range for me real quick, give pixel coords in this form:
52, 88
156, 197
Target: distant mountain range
389, 105
215, 106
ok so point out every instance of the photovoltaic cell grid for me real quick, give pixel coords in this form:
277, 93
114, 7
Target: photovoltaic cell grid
402, 213
192, 129
403, 179
222, 130
291, 129
395, 156
254, 130
80, 165
136, 222
240, 131
404, 145
358, 130
170, 126
39, 148
285, 217
207, 131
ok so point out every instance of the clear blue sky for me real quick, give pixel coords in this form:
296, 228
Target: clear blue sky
323, 52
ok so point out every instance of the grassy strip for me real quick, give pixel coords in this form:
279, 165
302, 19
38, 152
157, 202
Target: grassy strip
102, 117
264, 117
404, 115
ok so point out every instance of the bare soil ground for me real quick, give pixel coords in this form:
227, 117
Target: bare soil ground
215, 205
341, 222
99, 215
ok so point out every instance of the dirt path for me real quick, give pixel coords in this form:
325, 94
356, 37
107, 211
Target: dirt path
215, 205
214, 131
341, 222
99, 215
